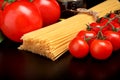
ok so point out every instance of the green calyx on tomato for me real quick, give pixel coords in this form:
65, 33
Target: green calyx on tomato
10, 1
1, 37
5, 3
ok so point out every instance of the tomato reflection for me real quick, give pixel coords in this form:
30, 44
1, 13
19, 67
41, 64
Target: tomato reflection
95, 70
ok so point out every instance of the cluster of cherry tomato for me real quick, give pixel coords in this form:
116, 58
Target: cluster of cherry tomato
18, 17
100, 39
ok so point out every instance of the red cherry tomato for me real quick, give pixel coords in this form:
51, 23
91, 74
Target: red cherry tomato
116, 19
103, 21
49, 9
111, 15
78, 48
109, 24
20, 18
87, 35
113, 26
94, 26
114, 38
101, 49
97, 27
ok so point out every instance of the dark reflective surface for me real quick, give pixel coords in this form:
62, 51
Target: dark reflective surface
22, 65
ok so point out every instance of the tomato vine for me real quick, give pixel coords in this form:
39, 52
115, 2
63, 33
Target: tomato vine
104, 42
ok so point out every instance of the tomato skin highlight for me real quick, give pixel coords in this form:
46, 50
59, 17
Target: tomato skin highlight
49, 9
101, 49
26, 18
114, 38
94, 26
78, 48
86, 34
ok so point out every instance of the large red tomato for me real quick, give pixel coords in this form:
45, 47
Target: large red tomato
20, 18
49, 9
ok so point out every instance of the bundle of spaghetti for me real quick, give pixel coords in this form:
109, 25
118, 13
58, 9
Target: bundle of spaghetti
52, 41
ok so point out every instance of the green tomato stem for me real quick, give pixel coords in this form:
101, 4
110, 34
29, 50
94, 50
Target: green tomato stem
10, 1
31, 0
100, 35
